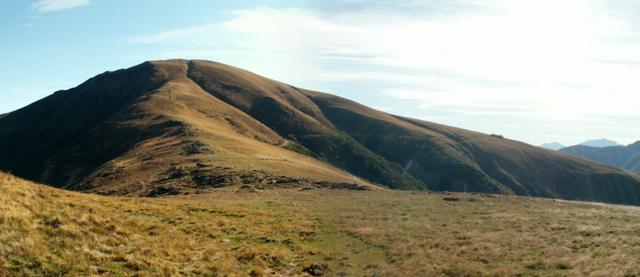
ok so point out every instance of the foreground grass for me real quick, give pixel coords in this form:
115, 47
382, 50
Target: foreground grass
49, 232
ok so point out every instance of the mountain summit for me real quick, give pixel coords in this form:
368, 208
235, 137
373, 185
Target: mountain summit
601, 143
178, 126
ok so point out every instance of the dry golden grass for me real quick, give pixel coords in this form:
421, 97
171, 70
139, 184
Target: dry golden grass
3, 271
49, 232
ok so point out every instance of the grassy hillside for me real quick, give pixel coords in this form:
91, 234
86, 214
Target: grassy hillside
149, 130
189, 126
293, 115
234, 232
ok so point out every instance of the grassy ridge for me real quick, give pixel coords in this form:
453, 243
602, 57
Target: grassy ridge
49, 232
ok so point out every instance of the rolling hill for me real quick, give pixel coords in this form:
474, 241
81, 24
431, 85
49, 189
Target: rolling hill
624, 157
169, 127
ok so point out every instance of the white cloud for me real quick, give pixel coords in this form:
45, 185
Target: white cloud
537, 61
57, 5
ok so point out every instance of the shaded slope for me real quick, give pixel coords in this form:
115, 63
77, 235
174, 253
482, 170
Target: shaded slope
449, 158
624, 157
429, 156
530, 170
32, 136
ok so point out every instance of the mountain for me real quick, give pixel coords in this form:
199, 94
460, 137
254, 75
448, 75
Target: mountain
552, 146
600, 143
150, 130
177, 126
624, 157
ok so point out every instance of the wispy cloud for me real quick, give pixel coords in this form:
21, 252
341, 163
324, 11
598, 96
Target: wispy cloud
534, 60
58, 5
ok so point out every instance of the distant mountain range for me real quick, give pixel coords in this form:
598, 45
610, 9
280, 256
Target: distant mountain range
624, 157
592, 143
182, 126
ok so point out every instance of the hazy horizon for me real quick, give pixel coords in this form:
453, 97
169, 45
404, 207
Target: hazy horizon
537, 72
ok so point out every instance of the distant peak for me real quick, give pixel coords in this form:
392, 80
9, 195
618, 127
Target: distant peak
600, 143
552, 146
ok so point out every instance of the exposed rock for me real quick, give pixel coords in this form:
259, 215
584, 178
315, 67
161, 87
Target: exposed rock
163, 190
211, 179
197, 147
174, 172
247, 188
315, 269
451, 198
348, 186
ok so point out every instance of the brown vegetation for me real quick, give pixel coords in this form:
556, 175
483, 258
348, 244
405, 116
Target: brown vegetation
233, 232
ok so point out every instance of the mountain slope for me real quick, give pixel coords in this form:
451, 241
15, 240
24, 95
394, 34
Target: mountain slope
170, 126
148, 130
624, 157
290, 113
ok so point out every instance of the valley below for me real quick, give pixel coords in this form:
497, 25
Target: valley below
291, 231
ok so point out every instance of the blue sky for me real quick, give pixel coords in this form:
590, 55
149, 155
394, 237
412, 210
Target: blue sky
536, 71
